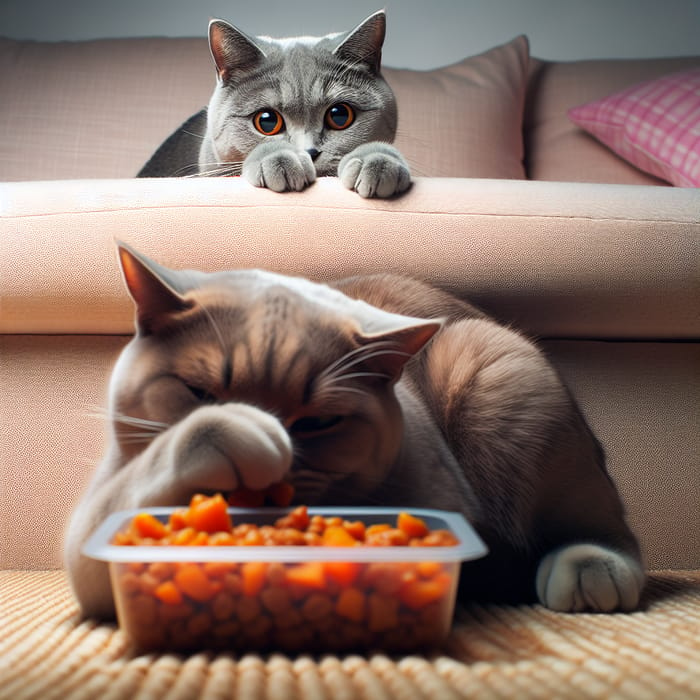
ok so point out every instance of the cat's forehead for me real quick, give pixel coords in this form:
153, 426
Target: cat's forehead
315, 296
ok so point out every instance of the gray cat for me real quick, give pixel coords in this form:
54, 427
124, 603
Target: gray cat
285, 111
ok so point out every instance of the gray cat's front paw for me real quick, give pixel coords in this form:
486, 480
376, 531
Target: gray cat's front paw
589, 577
279, 167
375, 170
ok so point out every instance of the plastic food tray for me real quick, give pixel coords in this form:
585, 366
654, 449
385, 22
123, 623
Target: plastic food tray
397, 599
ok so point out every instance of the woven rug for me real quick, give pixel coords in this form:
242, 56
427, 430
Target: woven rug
493, 652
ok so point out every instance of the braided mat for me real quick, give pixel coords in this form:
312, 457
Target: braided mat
493, 652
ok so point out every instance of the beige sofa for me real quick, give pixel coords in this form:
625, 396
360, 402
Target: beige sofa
513, 207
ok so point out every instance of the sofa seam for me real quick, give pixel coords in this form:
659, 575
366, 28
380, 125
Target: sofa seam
507, 215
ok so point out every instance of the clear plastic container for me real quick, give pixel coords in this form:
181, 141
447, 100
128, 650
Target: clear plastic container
396, 599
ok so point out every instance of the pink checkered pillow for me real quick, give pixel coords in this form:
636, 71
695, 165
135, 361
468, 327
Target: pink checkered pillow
654, 125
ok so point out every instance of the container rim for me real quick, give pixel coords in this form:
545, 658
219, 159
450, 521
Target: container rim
470, 545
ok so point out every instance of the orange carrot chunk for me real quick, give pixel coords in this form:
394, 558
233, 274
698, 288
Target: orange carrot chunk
210, 515
418, 593
309, 574
411, 525
193, 582
168, 593
351, 604
343, 572
253, 577
337, 536
149, 526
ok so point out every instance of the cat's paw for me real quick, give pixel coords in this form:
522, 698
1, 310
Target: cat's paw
589, 577
375, 170
219, 448
277, 166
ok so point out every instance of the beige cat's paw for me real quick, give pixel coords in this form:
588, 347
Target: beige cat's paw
375, 170
279, 167
219, 448
589, 577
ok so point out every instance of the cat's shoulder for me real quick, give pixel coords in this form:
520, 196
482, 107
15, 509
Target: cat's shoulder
406, 295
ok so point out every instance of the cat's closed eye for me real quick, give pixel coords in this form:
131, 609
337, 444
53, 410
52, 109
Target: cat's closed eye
202, 395
312, 425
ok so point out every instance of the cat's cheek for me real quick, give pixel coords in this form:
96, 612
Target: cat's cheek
167, 400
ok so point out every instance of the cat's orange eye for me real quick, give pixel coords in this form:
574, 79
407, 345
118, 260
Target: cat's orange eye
268, 122
340, 116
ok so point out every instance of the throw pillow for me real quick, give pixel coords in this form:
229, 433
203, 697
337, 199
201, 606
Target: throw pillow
654, 125
465, 120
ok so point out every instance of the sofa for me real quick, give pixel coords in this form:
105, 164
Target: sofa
513, 206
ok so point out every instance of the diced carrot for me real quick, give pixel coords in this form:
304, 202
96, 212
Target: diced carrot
149, 526
337, 536
253, 575
193, 582
428, 569
309, 574
280, 494
218, 569
418, 593
209, 515
382, 612
356, 528
374, 529
243, 497
168, 593
178, 519
351, 604
411, 525
343, 572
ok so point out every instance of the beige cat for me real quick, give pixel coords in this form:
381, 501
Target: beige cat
374, 390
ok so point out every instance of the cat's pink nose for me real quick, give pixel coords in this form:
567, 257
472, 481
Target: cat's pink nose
313, 152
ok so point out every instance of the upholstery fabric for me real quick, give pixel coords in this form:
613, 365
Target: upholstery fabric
47, 653
504, 244
111, 104
655, 126
556, 148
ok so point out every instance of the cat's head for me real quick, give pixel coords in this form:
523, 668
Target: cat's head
325, 95
323, 364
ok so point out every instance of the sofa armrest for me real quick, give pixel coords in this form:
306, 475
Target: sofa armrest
556, 259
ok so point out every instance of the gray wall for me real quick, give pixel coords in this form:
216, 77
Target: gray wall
421, 33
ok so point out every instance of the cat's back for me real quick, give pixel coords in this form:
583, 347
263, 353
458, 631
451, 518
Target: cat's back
408, 296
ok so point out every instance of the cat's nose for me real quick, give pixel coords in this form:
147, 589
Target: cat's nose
313, 152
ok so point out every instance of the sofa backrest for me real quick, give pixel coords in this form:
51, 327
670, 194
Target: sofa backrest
99, 109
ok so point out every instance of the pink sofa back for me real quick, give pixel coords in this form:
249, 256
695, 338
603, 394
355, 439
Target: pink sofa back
98, 109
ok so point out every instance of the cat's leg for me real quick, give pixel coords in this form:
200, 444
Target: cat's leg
213, 448
580, 577
536, 468
278, 166
375, 170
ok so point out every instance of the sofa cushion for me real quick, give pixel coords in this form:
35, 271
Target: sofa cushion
556, 148
557, 259
654, 125
99, 109
465, 120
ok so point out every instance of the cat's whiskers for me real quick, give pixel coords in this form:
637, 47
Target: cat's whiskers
230, 169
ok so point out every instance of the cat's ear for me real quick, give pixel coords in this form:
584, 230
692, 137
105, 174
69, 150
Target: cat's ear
363, 44
400, 339
152, 287
231, 49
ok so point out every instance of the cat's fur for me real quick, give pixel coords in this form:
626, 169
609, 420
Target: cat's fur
374, 390
300, 79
